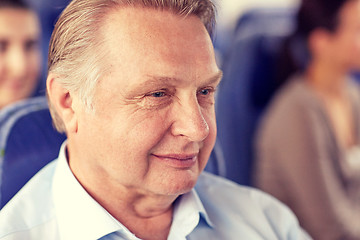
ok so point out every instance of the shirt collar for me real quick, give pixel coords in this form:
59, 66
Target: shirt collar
188, 212
79, 215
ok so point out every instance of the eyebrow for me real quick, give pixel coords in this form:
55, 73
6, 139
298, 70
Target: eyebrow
216, 78
159, 82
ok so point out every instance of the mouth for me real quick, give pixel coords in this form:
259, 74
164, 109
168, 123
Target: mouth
181, 161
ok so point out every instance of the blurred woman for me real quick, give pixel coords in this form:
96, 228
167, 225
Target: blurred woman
20, 57
308, 145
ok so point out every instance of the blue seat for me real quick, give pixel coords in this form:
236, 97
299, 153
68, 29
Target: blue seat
216, 163
248, 84
28, 141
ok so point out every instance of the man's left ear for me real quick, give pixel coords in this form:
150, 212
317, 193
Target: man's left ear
63, 102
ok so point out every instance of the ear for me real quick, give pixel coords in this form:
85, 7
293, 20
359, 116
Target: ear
63, 102
319, 42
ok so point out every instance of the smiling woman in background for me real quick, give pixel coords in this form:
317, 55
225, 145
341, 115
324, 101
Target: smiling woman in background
308, 149
20, 56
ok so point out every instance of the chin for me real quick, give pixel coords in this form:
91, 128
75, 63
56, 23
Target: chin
179, 185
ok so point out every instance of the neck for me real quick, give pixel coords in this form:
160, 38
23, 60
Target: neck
147, 215
122, 201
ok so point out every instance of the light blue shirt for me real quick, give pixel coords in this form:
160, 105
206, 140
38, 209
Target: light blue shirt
53, 205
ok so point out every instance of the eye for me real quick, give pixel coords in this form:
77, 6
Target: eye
3, 45
205, 92
158, 94
206, 96
30, 45
157, 99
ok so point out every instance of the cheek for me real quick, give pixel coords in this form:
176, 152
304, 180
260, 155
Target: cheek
356, 47
127, 143
34, 65
351, 52
135, 132
350, 43
2, 69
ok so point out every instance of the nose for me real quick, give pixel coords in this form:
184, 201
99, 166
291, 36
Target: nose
190, 122
16, 62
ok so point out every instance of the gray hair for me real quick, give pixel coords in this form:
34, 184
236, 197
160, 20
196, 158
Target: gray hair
75, 50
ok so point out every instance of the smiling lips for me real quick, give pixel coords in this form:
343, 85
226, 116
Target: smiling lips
178, 160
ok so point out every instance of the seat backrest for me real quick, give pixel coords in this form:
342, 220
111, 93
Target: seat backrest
216, 163
28, 141
248, 84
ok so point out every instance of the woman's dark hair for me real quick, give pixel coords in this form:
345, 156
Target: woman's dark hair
312, 14
315, 14
14, 4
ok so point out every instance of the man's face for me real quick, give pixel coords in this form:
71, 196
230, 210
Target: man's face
154, 123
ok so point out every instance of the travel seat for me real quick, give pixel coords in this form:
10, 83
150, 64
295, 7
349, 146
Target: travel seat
28, 141
248, 85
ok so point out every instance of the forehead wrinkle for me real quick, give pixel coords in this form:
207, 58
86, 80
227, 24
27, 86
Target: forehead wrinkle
172, 80
160, 81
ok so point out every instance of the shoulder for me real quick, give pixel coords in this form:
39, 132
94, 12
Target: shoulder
219, 188
294, 108
30, 208
294, 97
296, 90
240, 206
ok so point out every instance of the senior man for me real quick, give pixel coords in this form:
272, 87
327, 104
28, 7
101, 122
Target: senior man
132, 83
